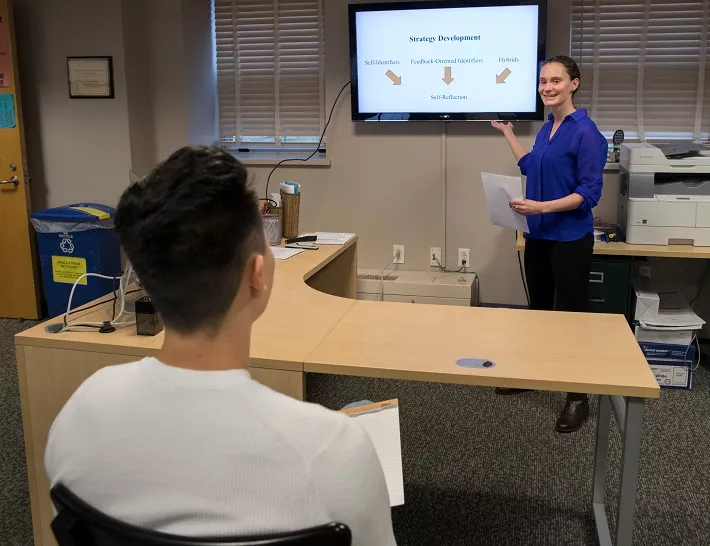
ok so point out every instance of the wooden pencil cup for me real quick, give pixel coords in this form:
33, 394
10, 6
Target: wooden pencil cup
291, 207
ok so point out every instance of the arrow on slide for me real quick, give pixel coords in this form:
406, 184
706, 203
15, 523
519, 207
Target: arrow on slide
447, 75
396, 80
500, 78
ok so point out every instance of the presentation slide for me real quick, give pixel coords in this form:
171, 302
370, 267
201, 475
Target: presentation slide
458, 60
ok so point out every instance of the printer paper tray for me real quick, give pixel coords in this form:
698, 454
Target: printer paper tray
683, 198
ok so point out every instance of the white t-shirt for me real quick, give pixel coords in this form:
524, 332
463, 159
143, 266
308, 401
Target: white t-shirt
197, 453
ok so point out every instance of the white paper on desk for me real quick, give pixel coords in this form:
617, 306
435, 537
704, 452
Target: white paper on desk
500, 190
281, 253
381, 421
328, 238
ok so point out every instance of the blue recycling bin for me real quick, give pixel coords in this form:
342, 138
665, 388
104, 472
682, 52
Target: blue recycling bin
73, 240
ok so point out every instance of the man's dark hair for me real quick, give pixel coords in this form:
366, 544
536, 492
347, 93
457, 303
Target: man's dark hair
188, 229
570, 66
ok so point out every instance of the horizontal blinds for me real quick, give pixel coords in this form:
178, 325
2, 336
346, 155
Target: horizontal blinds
269, 70
641, 62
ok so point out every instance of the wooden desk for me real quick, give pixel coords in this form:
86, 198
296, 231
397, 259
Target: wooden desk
298, 318
540, 350
650, 251
317, 326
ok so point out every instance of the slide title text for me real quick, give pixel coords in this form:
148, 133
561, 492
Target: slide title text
441, 38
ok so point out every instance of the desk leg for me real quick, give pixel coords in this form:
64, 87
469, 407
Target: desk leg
629, 414
600, 459
629, 471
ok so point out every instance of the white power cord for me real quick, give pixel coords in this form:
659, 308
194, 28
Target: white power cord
68, 327
382, 275
695, 342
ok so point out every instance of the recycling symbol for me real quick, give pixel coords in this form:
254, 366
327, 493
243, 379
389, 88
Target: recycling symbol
67, 246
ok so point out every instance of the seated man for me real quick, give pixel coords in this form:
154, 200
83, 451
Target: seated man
187, 443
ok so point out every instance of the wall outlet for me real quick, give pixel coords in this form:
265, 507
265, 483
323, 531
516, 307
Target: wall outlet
398, 254
464, 255
434, 255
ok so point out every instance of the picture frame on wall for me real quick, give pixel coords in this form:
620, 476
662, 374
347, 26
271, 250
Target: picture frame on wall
90, 77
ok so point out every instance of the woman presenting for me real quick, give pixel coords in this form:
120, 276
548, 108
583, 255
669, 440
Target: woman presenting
564, 182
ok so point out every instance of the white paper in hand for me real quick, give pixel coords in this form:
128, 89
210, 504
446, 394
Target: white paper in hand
500, 190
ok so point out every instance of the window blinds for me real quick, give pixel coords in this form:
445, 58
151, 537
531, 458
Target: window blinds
269, 70
645, 66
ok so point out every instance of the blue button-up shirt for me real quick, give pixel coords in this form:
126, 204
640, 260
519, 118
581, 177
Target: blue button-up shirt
572, 161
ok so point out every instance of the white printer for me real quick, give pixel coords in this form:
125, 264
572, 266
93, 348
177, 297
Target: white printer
664, 194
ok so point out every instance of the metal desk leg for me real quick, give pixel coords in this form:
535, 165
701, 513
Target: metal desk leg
600, 458
631, 436
629, 471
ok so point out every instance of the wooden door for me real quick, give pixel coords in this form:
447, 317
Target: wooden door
19, 294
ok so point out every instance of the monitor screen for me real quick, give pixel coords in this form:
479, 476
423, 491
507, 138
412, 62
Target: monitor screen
420, 61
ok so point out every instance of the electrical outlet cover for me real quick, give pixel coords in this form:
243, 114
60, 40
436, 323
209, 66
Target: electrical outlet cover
399, 248
464, 254
435, 251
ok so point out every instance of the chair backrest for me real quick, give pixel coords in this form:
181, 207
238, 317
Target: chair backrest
78, 524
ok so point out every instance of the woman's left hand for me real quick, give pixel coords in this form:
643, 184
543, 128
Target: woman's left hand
527, 207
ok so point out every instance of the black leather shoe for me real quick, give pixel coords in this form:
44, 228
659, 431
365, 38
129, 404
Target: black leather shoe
575, 413
505, 391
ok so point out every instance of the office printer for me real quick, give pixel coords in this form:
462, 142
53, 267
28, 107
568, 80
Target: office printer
664, 194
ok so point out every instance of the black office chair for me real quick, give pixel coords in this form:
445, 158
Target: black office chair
78, 524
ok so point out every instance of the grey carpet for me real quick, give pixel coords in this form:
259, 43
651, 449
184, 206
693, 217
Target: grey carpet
478, 469
15, 518
484, 469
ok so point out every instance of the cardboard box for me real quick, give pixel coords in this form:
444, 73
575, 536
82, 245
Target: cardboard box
647, 300
666, 351
672, 375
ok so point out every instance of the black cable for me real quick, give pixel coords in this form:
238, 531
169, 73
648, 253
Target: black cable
522, 275
701, 286
322, 136
99, 303
115, 297
459, 270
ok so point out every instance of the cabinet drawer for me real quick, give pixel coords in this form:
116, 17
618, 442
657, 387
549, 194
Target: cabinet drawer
427, 300
609, 287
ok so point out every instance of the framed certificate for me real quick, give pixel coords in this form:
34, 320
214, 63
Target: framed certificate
90, 77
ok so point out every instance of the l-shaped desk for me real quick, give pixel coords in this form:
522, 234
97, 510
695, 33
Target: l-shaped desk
314, 324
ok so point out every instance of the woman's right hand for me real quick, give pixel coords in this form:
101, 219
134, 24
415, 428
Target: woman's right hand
503, 127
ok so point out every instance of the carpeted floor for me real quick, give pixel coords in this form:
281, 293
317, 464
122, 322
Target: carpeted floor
484, 469
479, 469
15, 518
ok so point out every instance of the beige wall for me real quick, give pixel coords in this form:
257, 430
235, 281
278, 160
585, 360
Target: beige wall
139, 86
84, 149
77, 149
385, 181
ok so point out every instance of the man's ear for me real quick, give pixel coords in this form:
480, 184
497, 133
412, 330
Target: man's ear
257, 277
